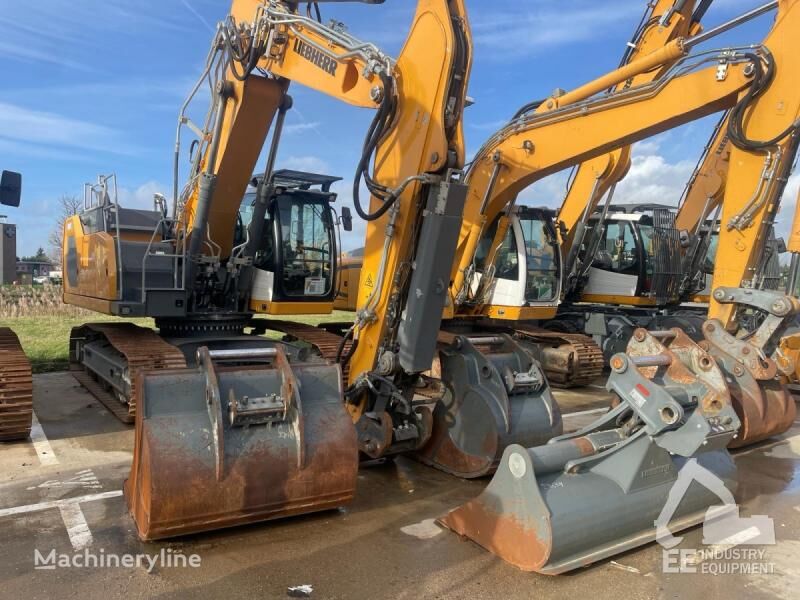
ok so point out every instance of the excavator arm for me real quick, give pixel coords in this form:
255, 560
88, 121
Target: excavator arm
663, 22
532, 147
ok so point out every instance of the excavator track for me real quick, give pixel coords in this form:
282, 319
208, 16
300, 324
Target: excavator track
16, 388
142, 349
325, 342
568, 359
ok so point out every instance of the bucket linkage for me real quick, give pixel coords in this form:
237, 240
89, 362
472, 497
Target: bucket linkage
227, 444
496, 395
752, 364
599, 491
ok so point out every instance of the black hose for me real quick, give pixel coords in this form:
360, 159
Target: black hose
761, 80
375, 133
342, 358
526, 108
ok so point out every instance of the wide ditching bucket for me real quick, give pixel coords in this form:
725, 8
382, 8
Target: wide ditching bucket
620, 482
218, 445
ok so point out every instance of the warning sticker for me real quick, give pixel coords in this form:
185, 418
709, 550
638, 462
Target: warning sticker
638, 397
368, 282
315, 286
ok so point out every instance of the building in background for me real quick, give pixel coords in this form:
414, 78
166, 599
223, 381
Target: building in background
28, 271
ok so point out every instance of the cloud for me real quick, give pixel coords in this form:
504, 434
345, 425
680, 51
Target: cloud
518, 32
311, 164
67, 33
295, 128
197, 15
49, 129
142, 196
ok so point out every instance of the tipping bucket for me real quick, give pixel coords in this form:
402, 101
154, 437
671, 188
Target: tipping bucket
219, 446
553, 522
622, 481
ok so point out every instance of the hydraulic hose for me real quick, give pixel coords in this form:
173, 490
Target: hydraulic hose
761, 79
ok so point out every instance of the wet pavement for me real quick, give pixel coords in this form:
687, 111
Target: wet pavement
384, 545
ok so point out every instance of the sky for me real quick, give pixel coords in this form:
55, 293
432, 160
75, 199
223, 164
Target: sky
95, 86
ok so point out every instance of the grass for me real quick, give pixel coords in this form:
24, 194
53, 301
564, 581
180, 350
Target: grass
43, 323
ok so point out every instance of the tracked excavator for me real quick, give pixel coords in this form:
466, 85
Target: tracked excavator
567, 357
16, 384
232, 427
529, 514
251, 429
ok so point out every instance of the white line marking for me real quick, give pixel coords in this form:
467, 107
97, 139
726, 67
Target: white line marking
77, 528
28, 508
593, 411
40, 443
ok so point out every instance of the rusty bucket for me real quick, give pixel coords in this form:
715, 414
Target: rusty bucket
496, 395
654, 464
763, 403
539, 518
218, 446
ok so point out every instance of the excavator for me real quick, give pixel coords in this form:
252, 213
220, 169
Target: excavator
529, 515
249, 429
232, 427
567, 357
16, 383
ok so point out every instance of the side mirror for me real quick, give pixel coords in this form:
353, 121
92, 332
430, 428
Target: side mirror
10, 188
347, 219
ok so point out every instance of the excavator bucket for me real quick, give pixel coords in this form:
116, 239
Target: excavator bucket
763, 403
218, 445
609, 487
496, 395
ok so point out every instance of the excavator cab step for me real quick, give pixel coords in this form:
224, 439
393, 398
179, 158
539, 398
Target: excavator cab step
243, 437
620, 482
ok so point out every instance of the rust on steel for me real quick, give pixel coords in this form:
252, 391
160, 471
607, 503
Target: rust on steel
143, 349
763, 403
16, 388
505, 535
182, 481
325, 342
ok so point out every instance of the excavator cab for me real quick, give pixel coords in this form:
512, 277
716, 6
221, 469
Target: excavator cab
296, 260
526, 271
636, 257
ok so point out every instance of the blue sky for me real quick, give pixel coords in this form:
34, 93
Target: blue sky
94, 86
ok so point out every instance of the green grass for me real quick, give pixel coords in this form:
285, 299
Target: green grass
45, 339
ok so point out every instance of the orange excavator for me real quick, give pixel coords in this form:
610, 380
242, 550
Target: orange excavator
533, 514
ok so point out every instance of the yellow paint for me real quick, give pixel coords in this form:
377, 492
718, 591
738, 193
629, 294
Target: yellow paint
616, 299
417, 144
520, 313
290, 308
773, 111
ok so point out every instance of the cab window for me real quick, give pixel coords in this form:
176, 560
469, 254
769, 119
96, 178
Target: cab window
306, 244
618, 251
541, 282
